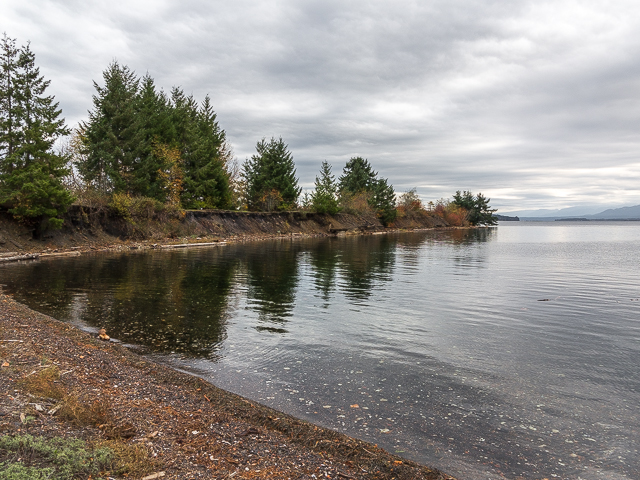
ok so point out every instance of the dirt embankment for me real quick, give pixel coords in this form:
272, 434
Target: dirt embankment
86, 228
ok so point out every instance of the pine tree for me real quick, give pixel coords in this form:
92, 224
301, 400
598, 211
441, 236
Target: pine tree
154, 128
206, 182
31, 177
479, 211
10, 131
271, 176
383, 201
112, 133
357, 176
324, 198
137, 138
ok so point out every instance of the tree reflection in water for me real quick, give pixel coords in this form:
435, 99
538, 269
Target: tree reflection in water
180, 301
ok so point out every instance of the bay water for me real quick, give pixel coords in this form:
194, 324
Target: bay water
508, 352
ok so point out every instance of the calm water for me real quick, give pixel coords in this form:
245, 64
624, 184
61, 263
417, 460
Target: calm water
510, 352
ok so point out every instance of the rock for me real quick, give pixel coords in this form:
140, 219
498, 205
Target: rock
102, 335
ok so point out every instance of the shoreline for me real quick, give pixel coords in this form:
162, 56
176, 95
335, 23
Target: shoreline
170, 244
187, 427
81, 233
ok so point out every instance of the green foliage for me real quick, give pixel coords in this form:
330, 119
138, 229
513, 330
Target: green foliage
112, 134
131, 207
130, 119
30, 171
17, 471
271, 169
384, 201
206, 182
36, 190
477, 206
10, 108
324, 199
358, 177
55, 458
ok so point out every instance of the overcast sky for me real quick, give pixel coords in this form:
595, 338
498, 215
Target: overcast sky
536, 104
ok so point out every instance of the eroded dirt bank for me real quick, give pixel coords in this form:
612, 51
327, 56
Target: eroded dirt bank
87, 229
57, 381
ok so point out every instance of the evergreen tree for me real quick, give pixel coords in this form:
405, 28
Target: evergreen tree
31, 175
155, 129
113, 134
271, 176
357, 176
184, 118
10, 114
206, 182
141, 142
479, 211
383, 201
324, 198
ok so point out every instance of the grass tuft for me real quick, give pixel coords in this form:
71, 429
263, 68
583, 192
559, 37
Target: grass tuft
44, 384
28, 457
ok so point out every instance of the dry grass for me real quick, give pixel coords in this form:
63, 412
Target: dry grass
131, 460
44, 384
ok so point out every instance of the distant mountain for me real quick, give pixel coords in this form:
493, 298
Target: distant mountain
582, 211
621, 213
588, 212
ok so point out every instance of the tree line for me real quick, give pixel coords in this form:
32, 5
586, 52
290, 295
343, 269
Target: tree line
169, 149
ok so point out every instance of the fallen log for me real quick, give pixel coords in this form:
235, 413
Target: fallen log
17, 258
187, 245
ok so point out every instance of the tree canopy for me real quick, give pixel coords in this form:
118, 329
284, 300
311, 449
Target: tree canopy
270, 177
30, 171
324, 198
359, 178
140, 141
477, 206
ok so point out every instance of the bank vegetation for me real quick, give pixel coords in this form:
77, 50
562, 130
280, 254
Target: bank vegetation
145, 153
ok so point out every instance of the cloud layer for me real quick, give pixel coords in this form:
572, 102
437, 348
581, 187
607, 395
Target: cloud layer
536, 104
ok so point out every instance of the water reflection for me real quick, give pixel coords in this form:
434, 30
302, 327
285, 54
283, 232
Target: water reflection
438, 338
181, 301
272, 279
324, 266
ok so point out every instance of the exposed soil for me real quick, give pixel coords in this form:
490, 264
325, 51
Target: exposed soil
57, 381
93, 229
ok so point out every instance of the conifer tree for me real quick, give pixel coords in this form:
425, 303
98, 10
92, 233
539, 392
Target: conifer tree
271, 176
383, 201
357, 176
9, 108
112, 133
324, 198
31, 173
206, 182
155, 128
137, 137
477, 206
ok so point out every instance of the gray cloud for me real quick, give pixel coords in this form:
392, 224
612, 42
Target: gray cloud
533, 103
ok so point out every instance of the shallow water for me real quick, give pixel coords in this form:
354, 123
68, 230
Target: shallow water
506, 352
